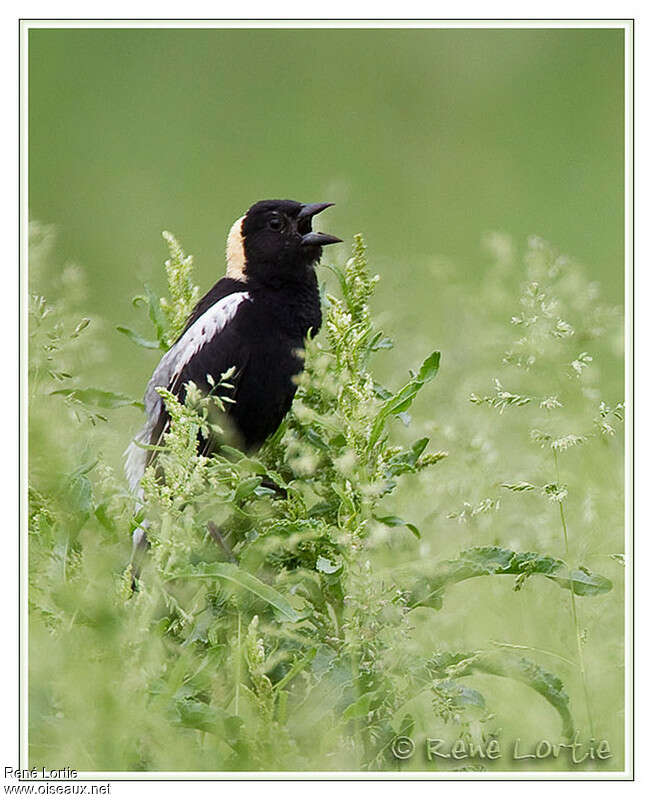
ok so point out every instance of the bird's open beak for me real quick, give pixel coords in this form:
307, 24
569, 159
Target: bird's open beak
313, 238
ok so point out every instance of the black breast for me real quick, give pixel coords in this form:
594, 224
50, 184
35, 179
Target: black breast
274, 325
264, 342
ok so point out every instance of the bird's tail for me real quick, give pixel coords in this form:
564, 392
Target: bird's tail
137, 459
139, 548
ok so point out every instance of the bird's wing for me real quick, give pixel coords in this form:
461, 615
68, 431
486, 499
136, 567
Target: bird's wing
204, 329
223, 288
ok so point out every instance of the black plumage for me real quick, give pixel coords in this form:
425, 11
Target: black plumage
255, 319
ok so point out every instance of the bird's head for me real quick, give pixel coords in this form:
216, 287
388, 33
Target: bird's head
274, 241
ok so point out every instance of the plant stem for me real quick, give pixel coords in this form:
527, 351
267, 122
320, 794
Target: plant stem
295, 670
574, 613
219, 539
510, 646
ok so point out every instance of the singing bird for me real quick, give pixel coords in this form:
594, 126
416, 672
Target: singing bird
255, 319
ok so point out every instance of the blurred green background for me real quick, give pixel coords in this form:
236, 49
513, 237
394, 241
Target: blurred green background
425, 139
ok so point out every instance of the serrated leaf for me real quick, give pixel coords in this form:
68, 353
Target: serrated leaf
403, 399
484, 561
507, 665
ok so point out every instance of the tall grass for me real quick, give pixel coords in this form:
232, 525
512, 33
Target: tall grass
368, 600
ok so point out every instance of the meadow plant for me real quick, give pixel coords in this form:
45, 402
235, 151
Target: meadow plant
273, 627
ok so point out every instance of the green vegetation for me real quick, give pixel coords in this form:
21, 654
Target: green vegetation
458, 574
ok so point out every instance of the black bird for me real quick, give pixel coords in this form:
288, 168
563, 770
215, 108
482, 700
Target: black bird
255, 319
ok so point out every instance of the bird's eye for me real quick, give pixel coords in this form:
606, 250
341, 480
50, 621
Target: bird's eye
275, 223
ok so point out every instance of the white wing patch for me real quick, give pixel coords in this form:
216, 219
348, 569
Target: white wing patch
167, 372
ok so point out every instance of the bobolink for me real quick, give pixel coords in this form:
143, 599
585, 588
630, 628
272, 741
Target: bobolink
255, 319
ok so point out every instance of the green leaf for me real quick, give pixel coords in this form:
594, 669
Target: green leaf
323, 508
316, 440
99, 398
238, 576
480, 561
380, 342
507, 665
276, 477
407, 725
403, 399
429, 368
585, 583
80, 494
406, 460
246, 488
232, 726
136, 338
359, 708
104, 518
326, 566
156, 315
231, 452
199, 716
381, 392
458, 694
397, 522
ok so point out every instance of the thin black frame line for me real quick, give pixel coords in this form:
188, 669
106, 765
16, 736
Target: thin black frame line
325, 19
